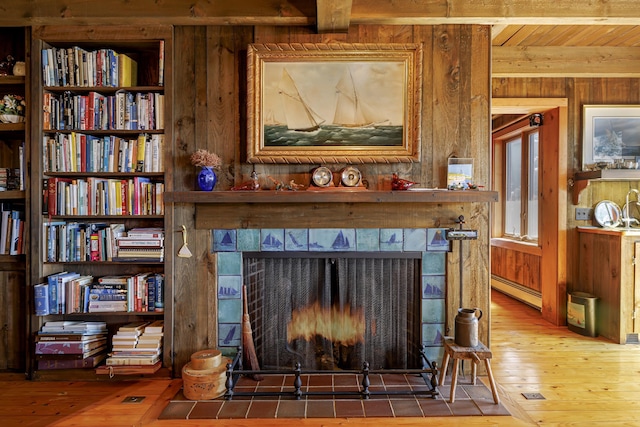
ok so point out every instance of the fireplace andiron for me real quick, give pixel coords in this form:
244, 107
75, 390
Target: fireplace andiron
429, 374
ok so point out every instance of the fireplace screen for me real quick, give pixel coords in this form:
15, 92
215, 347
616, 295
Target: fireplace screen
334, 313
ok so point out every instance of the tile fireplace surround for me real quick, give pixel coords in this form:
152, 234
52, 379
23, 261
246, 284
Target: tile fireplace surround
429, 243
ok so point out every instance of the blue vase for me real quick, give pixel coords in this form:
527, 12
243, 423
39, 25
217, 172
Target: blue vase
207, 179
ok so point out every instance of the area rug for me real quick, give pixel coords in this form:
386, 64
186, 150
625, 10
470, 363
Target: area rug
471, 400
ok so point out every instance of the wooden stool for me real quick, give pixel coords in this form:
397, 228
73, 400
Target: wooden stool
475, 354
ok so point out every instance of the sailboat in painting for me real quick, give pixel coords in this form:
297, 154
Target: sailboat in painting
299, 115
350, 110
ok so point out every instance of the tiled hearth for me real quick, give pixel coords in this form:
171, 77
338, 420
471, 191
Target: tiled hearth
428, 243
471, 400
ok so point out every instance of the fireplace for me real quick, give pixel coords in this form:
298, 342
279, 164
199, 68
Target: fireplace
335, 311
388, 284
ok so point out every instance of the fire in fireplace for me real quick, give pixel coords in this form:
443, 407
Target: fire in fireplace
335, 310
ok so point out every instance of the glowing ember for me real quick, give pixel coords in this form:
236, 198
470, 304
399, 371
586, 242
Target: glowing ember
337, 325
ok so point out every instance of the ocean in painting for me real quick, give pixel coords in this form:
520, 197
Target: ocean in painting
333, 136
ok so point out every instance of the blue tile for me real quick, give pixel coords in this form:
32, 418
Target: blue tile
391, 239
433, 263
332, 239
296, 240
248, 240
368, 239
433, 286
229, 335
434, 354
224, 240
436, 240
432, 334
229, 310
229, 287
433, 310
415, 239
272, 240
229, 264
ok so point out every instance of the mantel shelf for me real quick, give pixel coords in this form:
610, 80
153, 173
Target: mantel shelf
331, 196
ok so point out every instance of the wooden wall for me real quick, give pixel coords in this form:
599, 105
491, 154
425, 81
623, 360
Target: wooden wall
209, 112
579, 92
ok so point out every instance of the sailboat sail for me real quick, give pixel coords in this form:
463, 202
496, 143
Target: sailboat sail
350, 110
298, 114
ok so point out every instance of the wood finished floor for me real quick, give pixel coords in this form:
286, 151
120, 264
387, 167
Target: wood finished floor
585, 382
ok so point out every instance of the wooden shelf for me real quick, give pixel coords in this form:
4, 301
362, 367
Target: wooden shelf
582, 179
331, 196
12, 127
12, 80
12, 195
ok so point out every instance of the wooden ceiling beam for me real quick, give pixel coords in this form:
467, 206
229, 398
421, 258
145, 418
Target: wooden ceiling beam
574, 61
333, 16
305, 12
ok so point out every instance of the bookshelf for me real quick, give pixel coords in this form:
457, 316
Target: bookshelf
14, 206
102, 129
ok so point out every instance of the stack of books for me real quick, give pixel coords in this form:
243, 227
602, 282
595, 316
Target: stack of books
71, 345
12, 220
140, 245
134, 345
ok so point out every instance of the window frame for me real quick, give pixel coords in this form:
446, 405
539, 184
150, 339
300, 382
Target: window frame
522, 130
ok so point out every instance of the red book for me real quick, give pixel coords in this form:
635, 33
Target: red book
53, 194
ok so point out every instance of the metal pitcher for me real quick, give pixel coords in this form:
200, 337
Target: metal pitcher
466, 332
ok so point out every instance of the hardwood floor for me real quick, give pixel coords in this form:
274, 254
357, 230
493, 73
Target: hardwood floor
584, 381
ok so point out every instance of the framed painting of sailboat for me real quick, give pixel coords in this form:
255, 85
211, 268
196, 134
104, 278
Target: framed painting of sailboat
334, 103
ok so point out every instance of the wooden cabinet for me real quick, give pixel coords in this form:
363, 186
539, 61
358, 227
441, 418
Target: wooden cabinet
14, 185
609, 263
102, 125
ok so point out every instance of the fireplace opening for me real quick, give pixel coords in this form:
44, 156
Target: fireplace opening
332, 311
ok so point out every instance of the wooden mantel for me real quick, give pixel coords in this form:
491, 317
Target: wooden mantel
331, 196
326, 209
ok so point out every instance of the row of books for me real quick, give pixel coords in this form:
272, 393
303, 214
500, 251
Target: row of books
10, 179
96, 241
78, 152
14, 178
75, 66
137, 343
102, 196
12, 222
71, 344
71, 292
94, 111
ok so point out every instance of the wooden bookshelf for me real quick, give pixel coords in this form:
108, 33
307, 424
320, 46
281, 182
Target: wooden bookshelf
14, 272
81, 143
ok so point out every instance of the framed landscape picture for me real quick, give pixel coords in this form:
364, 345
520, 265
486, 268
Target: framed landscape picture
610, 133
333, 103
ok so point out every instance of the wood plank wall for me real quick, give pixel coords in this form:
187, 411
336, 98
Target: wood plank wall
209, 112
579, 92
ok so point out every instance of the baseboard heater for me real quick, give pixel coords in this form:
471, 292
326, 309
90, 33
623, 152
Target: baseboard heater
429, 374
517, 291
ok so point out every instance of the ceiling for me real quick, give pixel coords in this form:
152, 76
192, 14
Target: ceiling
566, 35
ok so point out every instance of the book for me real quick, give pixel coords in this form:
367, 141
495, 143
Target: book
87, 362
133, 327
41, 299
107, 306
69, 347
127, 71
72, 356
43, 336
133, 360
157, 326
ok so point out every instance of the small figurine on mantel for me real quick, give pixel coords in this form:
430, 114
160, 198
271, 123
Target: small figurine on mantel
291, 186
399, 184
251, 185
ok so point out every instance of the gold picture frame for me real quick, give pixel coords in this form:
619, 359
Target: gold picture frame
334, 103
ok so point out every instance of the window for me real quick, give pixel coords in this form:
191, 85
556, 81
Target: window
518, 155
